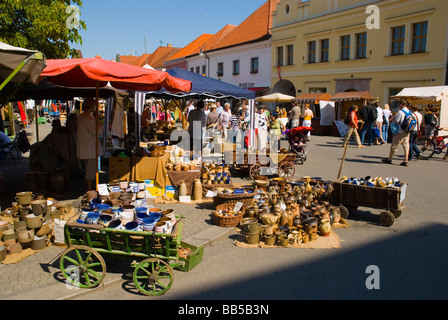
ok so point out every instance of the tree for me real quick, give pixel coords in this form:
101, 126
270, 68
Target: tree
43, 25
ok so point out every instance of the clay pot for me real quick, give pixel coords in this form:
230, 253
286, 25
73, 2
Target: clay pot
24, 198
55, 214
39, 207
250, 225
269, 240
283, 241
24, 211
33, 221
9, 234
65, 208
2, 253
91, 194
44, 230
14, 248
24, 235
325, 228
19, 223
252, 238
39, 243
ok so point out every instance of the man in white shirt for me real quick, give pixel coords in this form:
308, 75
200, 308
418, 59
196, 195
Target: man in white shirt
225, 119
402, 137
261, 127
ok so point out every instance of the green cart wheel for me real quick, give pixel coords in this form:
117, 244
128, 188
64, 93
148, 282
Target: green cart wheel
153, 277
83, 267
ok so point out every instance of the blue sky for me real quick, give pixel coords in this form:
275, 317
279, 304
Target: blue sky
121, 26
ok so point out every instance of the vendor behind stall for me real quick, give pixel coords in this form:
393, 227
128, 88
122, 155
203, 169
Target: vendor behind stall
86, 141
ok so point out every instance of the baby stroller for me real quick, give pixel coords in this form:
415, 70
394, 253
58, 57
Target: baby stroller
297, 142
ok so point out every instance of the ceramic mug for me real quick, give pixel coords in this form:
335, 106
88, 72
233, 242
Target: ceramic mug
9, 234
33, 221
24, 198
39, 243
2, 253
39, 207
24, 235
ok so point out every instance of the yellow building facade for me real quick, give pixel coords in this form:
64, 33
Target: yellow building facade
380, 46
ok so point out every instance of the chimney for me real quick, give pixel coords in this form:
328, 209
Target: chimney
169, 45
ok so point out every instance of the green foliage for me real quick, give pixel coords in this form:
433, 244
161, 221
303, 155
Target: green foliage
40, 25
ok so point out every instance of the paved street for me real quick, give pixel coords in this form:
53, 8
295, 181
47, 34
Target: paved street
411, 255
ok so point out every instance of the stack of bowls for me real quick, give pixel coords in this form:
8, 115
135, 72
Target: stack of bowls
148, 224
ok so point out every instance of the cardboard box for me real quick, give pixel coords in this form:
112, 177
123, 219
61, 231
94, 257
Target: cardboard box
152, 189
171, 191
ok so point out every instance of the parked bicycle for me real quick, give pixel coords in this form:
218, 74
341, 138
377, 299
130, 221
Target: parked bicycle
433, 145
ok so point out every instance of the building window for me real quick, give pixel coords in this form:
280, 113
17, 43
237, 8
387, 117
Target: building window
361, 45
324, 50
279, 56
345, 48
312, 52
254, 65
220, 68
419, 37
236, 67
290, 53
192, 69
203, 69
317, 90
197, 69
398, 34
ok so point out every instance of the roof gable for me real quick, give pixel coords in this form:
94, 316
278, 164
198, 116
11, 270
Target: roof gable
255, 27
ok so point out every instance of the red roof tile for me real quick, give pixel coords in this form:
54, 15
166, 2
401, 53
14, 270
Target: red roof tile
256, 26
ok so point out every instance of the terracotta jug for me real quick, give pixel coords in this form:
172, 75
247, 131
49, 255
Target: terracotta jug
197, 190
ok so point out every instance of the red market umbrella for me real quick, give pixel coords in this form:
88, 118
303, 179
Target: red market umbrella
97, 72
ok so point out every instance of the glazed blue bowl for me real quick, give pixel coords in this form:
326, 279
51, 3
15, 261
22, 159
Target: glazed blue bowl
131, 226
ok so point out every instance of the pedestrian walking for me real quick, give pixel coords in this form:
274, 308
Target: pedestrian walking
414, 150
352, 127
401, 137
368, 115
308, 115
386, 118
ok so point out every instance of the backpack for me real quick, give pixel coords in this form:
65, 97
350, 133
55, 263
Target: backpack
347, 119
409, 122
373, 113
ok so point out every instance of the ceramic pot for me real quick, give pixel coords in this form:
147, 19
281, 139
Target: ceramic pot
250, 225
160, 227
325, 228
14, 248
24, 235
33, 221
252, 238
2, 253
283, 241
9, 234
55, 214
44, 230
19, 223
39, 207
24, 198
269, 240
39, 243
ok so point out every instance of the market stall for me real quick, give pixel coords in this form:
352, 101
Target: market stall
323, 110
343, 102
425, 97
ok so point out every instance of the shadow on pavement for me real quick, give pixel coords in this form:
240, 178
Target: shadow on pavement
405, 262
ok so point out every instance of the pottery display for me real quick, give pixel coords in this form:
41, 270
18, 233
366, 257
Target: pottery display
25, 235
39, 207
24, 198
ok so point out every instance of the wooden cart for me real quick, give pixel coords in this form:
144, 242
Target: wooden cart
155, 254
257, 165
390, 200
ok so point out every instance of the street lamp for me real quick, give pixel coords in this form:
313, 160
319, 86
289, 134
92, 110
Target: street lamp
203, 53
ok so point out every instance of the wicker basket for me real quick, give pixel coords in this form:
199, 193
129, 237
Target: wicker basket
227, 221
223, 198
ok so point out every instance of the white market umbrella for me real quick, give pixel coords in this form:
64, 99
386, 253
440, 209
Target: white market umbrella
275, 98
